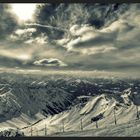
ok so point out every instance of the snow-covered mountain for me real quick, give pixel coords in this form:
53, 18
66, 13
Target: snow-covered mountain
52, 105
125, 111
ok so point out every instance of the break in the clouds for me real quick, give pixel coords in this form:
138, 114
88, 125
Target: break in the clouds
81, 36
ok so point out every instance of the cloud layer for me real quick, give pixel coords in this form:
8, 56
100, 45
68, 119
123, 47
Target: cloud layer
81, 36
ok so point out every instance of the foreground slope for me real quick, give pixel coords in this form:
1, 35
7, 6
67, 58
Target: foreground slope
69, 121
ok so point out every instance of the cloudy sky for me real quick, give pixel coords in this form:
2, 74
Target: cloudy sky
70, 36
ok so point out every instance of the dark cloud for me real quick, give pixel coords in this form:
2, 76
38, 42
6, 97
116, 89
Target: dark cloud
66, 15
10, 62
7, 21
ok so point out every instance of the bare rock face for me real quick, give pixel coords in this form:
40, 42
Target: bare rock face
9, 106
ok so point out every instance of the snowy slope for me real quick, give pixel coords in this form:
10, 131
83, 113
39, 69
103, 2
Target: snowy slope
126, 129
125, 113
56, 104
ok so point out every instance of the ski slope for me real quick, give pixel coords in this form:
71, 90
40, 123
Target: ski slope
70, 120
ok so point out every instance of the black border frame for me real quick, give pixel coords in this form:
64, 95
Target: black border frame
70, 138
69, 1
